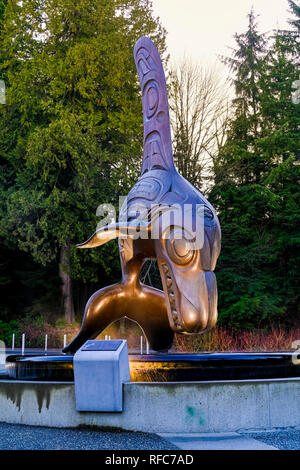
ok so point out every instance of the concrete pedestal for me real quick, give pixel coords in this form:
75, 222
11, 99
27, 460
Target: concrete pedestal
100, 370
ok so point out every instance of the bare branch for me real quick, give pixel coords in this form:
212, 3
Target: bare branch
199, 113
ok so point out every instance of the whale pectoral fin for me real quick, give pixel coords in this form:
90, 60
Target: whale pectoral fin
112, 231
100, 237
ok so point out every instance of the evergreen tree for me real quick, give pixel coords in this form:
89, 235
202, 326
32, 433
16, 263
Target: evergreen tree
3, 4
295, 22
280, 146
255, 188
74, 92
246, 67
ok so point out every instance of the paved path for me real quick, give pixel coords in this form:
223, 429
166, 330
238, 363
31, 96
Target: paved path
281, 439
20, 437
216, 441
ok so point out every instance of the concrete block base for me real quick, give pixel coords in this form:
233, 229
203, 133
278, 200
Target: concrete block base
171, 407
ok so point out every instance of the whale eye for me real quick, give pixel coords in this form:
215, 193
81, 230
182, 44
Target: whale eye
179, 249
206, 211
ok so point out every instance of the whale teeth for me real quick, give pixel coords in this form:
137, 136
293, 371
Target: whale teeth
175, 317
165, 268
171, 295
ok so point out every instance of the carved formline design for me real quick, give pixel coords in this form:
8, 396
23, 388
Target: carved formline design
157, 136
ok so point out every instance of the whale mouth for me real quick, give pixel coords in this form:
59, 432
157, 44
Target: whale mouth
169, 286
191, 299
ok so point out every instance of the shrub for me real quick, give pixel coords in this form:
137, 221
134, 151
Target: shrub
7, 329
35, 334
222, 340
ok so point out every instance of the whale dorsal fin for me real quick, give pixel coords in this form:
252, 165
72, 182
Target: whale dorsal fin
157, 135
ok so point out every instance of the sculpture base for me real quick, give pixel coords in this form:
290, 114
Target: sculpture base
177, 367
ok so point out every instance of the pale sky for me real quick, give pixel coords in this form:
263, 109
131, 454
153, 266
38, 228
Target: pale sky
202, 29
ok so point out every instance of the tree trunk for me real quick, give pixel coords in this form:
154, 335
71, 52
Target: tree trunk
67, 293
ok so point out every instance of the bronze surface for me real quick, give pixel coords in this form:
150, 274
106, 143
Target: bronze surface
188, 302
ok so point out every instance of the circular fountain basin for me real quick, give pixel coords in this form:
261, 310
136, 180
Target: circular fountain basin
58, 367
177, 367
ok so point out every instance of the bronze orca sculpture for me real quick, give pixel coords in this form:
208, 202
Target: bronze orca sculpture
188, 303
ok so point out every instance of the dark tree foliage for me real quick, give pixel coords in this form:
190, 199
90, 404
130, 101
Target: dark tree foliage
71, 139
71, 131
256, 190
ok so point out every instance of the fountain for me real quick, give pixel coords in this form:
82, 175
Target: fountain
157, 367
164, 218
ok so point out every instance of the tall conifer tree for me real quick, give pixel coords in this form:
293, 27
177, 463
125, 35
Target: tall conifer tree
255, 188
74, 89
